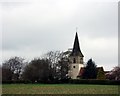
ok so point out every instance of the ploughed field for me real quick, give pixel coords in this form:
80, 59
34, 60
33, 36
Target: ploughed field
58, 89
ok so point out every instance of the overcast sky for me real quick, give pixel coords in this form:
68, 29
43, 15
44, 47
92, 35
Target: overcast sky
31, 28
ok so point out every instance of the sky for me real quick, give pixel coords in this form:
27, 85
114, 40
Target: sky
31, 28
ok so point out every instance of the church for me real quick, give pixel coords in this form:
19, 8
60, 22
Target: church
77, 65
76, 59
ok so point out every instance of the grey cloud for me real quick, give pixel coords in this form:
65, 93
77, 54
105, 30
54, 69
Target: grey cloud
52, 25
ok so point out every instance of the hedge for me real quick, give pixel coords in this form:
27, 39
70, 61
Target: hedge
72, 81
14, 82
94, 81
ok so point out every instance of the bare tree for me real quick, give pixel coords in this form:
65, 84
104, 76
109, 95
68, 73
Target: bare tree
59, 64
14, 64
64, 68
54, 57
114, 74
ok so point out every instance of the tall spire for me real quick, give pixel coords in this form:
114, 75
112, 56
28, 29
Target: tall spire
76, 48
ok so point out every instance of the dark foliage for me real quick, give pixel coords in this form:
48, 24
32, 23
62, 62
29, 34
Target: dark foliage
52, 68
37, 70
6, 74
68, 81
90, 71
64, 67
12, 66
90, 81
59, 65
0, 73
54, 57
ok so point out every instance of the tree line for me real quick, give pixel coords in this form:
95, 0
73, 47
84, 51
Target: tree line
51, 67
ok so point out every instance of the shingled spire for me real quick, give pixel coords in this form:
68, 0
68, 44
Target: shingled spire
76, 48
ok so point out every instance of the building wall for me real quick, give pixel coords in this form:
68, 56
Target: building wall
75, 66
74, 70
79, 60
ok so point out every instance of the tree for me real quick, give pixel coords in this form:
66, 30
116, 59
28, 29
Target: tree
114, 74
59, 64
100, 73
6, 74
14, 64
0, 73
90, 71
64, 68
37, 70
54, 57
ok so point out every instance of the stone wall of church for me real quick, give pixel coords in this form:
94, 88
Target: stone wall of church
74, 70
76, 62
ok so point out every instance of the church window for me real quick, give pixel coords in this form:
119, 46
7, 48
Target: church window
74, 60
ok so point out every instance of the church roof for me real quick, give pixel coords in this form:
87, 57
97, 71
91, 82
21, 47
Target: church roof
76, 48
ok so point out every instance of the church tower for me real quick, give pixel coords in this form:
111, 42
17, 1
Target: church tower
76, 59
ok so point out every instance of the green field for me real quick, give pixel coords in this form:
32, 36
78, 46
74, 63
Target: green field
58, 89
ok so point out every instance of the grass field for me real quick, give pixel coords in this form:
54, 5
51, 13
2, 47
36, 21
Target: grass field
58, 89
